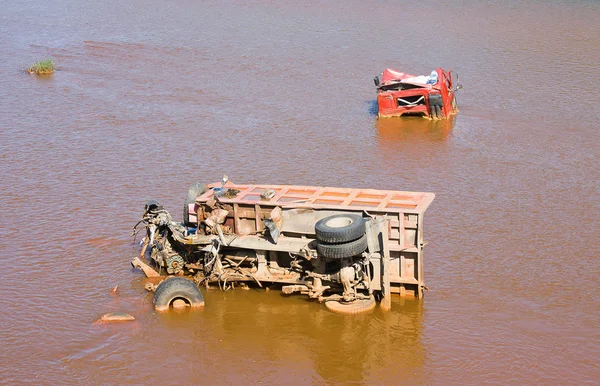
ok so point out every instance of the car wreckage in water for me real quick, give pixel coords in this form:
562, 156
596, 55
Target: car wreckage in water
430, 96
348, 248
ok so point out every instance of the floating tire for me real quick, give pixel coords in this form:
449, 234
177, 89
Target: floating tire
340, 228
351, 308
194, 191
342, 251
174, 290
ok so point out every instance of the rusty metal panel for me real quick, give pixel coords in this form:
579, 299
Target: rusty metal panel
326, 197
305, 205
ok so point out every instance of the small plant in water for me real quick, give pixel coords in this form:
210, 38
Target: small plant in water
42, 67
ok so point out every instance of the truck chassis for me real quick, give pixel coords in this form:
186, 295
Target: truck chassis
348, 248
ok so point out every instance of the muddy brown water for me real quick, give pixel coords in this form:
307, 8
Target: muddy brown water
151, 96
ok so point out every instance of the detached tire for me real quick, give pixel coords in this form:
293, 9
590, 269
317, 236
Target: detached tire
351, 308
340, 228
342, 251
194, 191
177, 288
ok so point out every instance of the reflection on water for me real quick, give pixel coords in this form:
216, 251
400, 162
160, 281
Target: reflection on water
361, 349
341, 349
409, 129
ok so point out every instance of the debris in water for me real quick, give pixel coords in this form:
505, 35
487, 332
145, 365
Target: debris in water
115, 317
114, 290
243, 286
150, 287
148, 270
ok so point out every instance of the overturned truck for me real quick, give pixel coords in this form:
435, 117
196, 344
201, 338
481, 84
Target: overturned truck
347, 248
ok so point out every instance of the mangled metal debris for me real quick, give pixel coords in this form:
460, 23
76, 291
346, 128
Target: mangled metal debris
349, 248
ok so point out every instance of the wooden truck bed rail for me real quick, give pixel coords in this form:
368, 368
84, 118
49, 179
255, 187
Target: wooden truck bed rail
329, 198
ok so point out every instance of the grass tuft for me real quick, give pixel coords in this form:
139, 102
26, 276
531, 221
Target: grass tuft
42, 67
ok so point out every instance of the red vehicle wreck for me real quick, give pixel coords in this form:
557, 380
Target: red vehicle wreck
430, 96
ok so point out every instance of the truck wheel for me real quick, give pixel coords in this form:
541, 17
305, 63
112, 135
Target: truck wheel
351, 308
433, 112
438, 110
175, 289
342, 251
340, 228
194, 191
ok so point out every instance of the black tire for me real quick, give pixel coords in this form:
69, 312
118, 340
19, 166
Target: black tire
351, 308
174, 288
377, 80
342, 251
340, 228
433, 112
438, 110
194, 191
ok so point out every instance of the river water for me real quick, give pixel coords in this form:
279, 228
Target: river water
151, 96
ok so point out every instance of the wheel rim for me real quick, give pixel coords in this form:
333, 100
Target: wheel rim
180, 303
339, 222
352, 308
